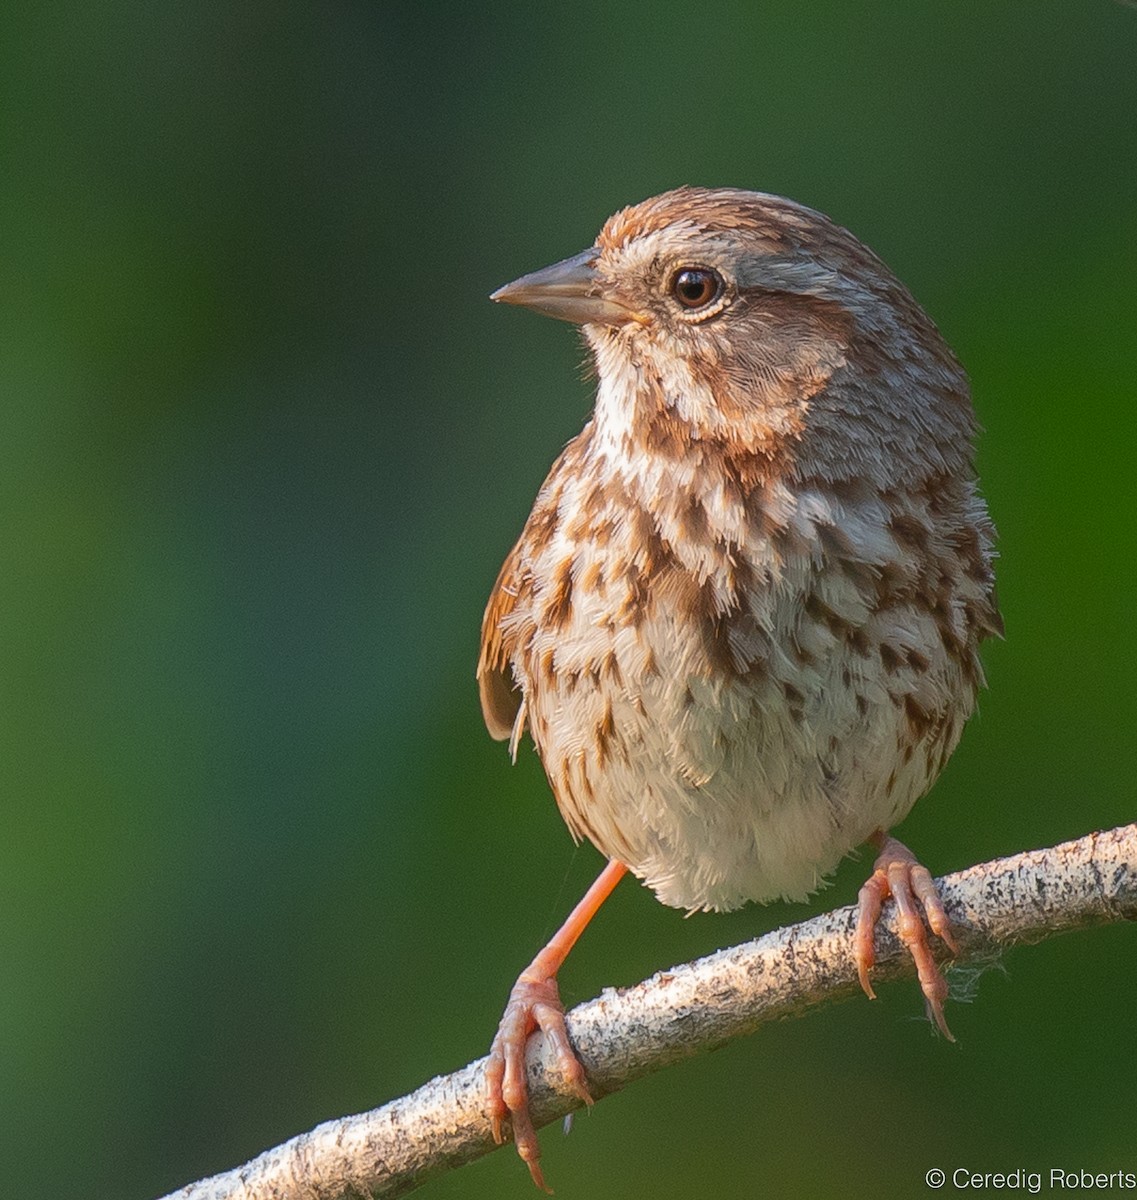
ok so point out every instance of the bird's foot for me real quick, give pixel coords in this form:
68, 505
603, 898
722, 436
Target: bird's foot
898, 874
534, 1003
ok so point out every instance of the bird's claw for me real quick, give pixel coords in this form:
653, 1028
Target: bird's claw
534, 1003
898, 874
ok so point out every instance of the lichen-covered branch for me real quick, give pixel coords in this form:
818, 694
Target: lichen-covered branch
629, 1032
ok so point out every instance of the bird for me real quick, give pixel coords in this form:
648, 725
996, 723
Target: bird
742, 621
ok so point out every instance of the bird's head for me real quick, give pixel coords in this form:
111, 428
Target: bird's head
743, 318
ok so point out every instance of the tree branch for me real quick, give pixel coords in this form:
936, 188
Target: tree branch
626, 1033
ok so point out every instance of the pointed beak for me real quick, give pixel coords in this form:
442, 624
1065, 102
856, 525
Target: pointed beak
570, 291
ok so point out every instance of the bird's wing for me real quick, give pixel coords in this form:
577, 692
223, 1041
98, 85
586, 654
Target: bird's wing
501, 699
503, 703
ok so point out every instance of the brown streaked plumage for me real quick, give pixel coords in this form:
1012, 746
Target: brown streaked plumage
742, 622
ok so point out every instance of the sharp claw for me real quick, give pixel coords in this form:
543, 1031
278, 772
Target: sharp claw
869, 900
528, 1147
538, 1177
866, 986
936, 1012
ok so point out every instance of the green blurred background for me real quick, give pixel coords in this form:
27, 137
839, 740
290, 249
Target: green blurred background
263, 445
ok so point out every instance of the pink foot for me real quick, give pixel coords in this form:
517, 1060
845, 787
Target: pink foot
534, 1003
898, 874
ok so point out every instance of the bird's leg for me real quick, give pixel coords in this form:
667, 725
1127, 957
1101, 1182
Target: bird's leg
535, 1003
898, 874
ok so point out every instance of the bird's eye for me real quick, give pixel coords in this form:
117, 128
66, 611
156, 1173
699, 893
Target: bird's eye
696, 287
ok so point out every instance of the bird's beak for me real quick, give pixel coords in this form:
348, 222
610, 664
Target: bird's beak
570, 290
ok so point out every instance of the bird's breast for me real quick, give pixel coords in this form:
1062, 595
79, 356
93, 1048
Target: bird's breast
718, 693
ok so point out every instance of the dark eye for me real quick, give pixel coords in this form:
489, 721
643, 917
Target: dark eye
696, 287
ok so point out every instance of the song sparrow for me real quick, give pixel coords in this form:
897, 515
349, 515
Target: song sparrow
742, 621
